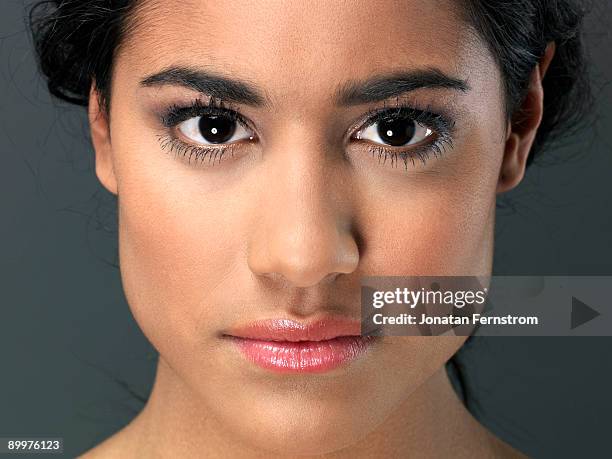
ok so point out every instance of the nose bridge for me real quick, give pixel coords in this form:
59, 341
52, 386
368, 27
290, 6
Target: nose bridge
303, 225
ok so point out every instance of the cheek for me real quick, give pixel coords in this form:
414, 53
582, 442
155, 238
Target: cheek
183, 254
445, 228
178, 243
437, 218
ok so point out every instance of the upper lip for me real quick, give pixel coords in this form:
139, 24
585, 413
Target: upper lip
294, 331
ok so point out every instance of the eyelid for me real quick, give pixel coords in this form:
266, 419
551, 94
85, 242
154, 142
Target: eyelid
441, 139
360, 135
176, 114
186, 125
213, 152
437, 122
442, 126
174, 142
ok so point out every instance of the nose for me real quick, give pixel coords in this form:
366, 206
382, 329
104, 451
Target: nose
303, 229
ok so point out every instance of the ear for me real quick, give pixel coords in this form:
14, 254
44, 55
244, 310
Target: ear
100, 137
523, 127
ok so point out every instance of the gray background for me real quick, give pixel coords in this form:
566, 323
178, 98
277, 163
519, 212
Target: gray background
74, 363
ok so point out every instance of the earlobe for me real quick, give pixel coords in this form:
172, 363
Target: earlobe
100, 137
523, 127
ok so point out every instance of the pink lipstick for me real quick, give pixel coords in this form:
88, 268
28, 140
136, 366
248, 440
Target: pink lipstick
288, 346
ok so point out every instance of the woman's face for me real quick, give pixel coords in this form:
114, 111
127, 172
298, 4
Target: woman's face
322, 177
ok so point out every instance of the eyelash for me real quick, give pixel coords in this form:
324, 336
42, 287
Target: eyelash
441, 125
176, 114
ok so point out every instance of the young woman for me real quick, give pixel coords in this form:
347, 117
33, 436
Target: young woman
266, 156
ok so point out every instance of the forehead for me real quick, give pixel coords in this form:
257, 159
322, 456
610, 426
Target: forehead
301, 45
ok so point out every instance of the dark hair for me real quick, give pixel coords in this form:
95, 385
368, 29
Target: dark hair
517, 33
76, 41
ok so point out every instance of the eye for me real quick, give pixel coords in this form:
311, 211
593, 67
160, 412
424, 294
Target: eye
213, 129
395, 131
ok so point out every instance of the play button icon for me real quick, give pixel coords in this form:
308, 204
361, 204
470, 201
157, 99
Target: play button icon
581, 313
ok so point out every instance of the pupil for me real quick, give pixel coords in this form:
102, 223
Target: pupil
217, 129
396, 132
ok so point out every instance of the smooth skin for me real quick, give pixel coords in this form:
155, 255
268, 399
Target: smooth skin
287, 225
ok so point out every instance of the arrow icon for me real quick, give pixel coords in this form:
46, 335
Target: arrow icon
581, 313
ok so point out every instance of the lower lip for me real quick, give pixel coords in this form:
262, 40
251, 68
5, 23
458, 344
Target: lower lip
303, 356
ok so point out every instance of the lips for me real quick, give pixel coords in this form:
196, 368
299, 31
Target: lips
288, 346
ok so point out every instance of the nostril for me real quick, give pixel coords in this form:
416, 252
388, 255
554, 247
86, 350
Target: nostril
305, 265
303, 270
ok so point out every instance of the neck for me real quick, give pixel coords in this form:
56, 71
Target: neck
431, 422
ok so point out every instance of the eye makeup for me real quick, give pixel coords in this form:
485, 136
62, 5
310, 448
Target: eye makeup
439, 127
441, 138
174, 115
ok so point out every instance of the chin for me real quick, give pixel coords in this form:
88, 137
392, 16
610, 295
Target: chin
316, 430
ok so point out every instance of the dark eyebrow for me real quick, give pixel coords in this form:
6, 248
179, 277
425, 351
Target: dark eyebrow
352, 93
220, 87
383, 87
